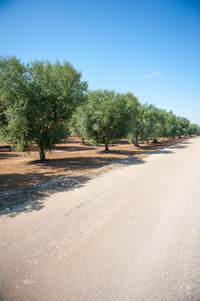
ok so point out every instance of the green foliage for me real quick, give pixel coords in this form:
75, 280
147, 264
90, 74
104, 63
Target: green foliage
197, 131
37, 102
173, 125
133, 122
77, 123
194, 129
147, 122
40, 102
103, 118
184, 125
14, 102
151, 123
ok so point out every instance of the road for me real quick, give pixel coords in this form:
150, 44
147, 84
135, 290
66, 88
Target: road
132, 234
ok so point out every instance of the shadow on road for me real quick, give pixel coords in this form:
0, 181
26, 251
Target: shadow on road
29, 198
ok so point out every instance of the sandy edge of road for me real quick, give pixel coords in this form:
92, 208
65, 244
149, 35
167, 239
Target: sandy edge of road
16, 199
131, 232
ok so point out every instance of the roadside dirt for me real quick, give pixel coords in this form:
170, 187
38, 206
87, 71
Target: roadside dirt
133, 233
19, 169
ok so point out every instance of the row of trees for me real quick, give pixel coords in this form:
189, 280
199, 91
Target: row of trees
108, 116
41, 103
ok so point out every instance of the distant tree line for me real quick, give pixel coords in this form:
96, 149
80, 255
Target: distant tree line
42, 103
108, 116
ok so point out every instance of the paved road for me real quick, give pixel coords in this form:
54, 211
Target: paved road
132, 234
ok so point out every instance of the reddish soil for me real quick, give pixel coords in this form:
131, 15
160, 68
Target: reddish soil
19, 169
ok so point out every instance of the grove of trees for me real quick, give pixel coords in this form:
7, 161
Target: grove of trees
41, 103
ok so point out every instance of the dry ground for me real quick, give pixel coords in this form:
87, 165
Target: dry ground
19, 169
131, 234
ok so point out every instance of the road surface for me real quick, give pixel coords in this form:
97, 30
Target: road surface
132, 234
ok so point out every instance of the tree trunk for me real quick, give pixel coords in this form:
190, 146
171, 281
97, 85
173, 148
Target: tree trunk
42, 154
136, 140
83, 140
106, 145
155, 140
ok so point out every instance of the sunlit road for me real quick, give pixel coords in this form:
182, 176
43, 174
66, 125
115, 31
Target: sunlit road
132, 234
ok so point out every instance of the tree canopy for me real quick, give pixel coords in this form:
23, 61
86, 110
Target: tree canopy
103, 118
41, 102
37, 102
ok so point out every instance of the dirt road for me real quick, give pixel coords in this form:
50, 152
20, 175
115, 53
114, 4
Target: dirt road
132, 234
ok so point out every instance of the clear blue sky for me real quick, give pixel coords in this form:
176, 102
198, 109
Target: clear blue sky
148, 47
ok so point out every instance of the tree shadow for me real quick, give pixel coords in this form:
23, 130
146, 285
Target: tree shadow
184, 142
50, 169
72, 141
63, 148
165, 144
152, 147
181, 143
122, 152
176, 146
73, 163
31, 198
5, 148
72, 148
160, 151
17, 180
76, 141
4, 156
131, 161
123, 142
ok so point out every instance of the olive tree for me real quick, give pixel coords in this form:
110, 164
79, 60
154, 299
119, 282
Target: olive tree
133, 122
103, 119
39, 98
